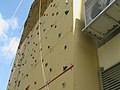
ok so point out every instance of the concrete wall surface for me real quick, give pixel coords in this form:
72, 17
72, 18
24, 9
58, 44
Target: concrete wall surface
109, 52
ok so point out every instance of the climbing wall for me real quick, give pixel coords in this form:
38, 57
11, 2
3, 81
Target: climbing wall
56, 33
26, 73
44, 59
31, 21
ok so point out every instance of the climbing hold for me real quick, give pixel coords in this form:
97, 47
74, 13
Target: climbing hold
31, 65
55, 26
66, 12
34, 82
50, 69
46, 14
48, 47
57, 13
37, 27
52, 14
19, 47
66, 1
22, 53
19, 72
38, 33
41, 49
46, 64
33, 57
22, 74
65, 47
63, 84
12, 70
52, 25
26, 75
44, 30
45, 37
54, 5
15, 81
35, 60
51, 49
19, 64
18, 83
36, 44
28, 42
59, 35
42, 60
64, 68
33, 42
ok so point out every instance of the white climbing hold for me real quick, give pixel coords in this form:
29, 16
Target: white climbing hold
66, 1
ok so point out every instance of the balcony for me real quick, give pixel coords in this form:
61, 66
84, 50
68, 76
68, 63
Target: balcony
104, 22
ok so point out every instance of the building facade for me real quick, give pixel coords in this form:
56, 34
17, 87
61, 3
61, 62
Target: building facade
63, 48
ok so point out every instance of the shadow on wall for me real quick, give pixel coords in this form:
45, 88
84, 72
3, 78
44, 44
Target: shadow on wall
79, 35
85, 59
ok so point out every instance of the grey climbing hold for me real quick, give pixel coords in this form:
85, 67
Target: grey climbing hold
66, 12
64, 68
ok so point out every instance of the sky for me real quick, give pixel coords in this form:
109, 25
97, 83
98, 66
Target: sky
12, 20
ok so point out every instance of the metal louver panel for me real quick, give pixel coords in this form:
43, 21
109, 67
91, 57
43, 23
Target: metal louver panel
93, 8
111, 78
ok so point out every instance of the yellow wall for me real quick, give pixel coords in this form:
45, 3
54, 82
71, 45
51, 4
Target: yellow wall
52, 23
27, 68
109, 54
56, 56
85, 54
57, 31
